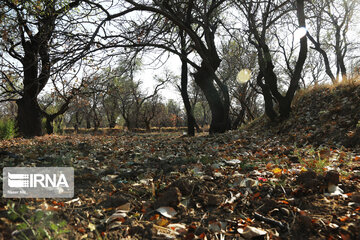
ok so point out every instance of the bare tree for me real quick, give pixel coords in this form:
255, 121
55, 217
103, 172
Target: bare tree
238, 54
332, 18
151, 108
261, 17
41, 39
199, 20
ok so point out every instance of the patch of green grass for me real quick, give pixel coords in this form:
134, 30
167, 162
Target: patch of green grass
38, 225
7, 128
247, 166
312, 159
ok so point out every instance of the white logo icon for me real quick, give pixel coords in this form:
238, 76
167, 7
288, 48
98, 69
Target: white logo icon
18, 180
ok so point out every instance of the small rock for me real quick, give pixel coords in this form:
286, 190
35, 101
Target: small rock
332, 177
113, 201
294, 159
233, 162
309, 180
211, 200
355, 197
249, 182
170, 198
168, 212
207, 178
304, 221
185, 186
356, 173
268, 206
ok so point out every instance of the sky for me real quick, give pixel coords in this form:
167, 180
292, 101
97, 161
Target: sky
149, 73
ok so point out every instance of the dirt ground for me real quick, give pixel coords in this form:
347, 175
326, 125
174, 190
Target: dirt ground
237, 185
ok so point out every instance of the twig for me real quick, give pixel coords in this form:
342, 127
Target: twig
270, 221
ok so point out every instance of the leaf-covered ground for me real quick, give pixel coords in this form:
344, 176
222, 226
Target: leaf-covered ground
292, 181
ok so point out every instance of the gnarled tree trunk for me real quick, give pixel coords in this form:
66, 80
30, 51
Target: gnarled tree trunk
220, 121
29, 117
29, 112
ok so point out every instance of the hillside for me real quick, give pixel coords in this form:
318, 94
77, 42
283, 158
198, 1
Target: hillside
293, 180
324, 115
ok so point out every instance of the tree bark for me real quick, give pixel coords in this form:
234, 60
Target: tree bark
238, 120
318, 48
29, 117
112, 124
270, 87
268, 99
88, 122
285, 103
29, 112
339, 54
49, 125
147, 126
220, 121
184, 84
185, 97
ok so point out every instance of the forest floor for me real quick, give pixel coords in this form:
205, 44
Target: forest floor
297, 180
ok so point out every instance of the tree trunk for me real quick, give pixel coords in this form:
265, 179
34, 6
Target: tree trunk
147, 126
29, 117
185, 97
220, 121
339, 55
184, 84
285, 108
96, 121
29, 112
270, 87
239, 119
318, 48
49, 125
197, 126
112, 124
77, 121
58, 123
88, 123
128, 124
285, 102
111, 119
204, 120
268, 99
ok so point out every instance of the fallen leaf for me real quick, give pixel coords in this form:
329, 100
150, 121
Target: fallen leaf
123, 208
117, 215
269, 166
92, 227
277, 171
168, 212
162, 222
251, 232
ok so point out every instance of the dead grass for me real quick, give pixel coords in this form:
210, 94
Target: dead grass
352, 82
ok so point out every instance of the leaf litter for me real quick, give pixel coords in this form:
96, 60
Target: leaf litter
246, 184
